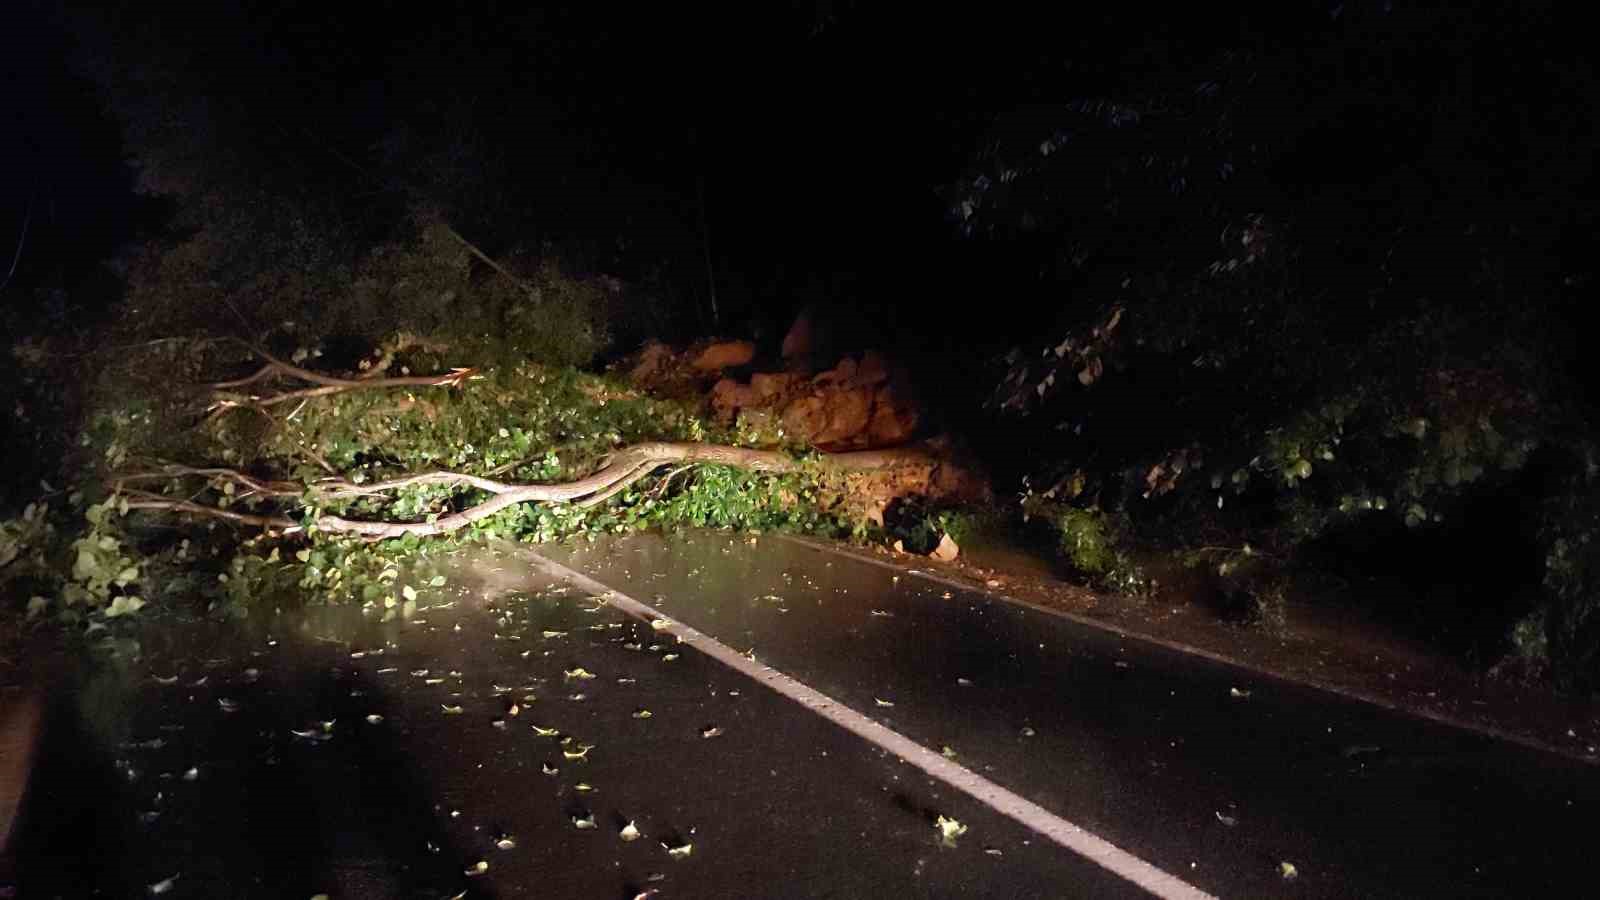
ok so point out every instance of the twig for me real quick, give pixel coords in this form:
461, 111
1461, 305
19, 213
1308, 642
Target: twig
1241, 551
147, 500
27, 218
317, 458
661, 486
275, 366
261, 486
491, 263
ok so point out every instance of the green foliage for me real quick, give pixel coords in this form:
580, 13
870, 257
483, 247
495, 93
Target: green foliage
1094, 542
88, 568
309, 288
26, 542
1251, 588
1248, 348
426, 304
971, 526
1563, 635
525, 422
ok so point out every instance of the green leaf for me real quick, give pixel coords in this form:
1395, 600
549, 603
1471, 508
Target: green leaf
122, 606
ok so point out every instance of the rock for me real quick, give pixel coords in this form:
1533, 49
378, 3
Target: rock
959, 482
774, 384
841, 374
652, 361
806, 416
947, 550
729, 396
797, 344
873, 369
847, 413
891, 423
725, 355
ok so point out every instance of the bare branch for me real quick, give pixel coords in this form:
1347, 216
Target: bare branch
339, 488
625, 467
263, 487
228, 397
618, 487
147, 500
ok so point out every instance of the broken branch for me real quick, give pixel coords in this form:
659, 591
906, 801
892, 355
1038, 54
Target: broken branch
622, 469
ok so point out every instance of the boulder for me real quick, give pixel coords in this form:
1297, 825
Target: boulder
873, 369
892, 422
769, 385
798, 343
724, 355
848, 412
729, 396
806, 416
653, 360
843, 373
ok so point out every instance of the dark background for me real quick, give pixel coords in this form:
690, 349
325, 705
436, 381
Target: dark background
816, 139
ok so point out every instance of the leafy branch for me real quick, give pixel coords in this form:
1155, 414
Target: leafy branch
227, 396
622, 470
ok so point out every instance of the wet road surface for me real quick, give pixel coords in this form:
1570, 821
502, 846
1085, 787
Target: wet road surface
337, 753
343, 755
1216, 775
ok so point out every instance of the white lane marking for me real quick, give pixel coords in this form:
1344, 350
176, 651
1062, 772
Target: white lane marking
1073, 837
1298, 681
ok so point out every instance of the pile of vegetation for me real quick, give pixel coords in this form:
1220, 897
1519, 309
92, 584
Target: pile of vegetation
298, 374
388, 417
1283, 363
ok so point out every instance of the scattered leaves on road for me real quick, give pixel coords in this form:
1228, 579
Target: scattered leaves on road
949, 829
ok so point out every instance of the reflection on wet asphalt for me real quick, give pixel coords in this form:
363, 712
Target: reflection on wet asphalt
500, 742
1218, 776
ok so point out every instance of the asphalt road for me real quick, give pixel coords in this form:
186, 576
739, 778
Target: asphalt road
337, 753
1213, 774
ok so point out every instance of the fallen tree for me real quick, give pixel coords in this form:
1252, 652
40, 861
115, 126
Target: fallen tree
625, 467
615, 473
